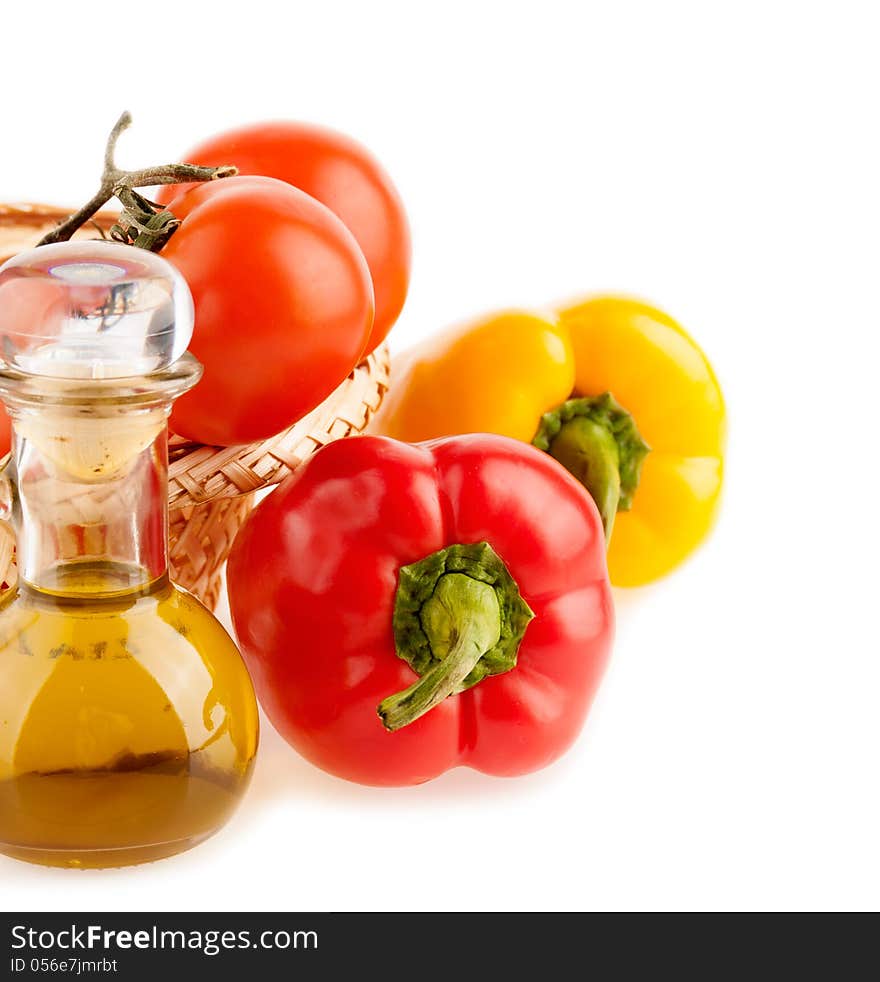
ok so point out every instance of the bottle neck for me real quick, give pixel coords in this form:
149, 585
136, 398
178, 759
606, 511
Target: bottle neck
91, 506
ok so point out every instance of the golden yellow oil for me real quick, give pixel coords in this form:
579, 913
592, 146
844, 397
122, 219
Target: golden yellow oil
128, 722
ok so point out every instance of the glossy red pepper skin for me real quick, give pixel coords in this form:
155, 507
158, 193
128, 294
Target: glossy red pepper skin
312, 581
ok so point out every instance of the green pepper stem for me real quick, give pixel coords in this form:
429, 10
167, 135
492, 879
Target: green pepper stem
463, 621
441, 681
458, 618
588, 451
597, 441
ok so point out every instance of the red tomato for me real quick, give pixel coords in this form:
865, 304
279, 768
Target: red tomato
283, 302
341, 174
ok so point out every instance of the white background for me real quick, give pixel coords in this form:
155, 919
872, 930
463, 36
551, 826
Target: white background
721, 160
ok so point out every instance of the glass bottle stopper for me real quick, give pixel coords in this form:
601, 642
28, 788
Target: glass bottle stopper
92, 310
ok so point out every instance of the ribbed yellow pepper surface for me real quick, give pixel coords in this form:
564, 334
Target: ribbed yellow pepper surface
611, 387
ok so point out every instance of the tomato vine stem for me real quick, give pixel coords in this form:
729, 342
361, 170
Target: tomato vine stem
120, 183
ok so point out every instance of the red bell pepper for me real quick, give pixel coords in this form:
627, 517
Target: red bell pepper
405, 609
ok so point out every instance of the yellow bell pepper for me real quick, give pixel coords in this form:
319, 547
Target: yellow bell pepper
611, 387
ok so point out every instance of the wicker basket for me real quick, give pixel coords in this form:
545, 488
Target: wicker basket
212, 489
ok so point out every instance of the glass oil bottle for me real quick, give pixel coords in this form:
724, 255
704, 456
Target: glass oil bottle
128, 722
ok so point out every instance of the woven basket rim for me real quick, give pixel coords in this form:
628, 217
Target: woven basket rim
198, 473
31, 215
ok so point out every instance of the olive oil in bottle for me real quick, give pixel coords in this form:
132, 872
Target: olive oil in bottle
128, 723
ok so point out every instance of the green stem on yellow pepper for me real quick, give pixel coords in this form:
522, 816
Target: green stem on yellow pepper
597, 441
